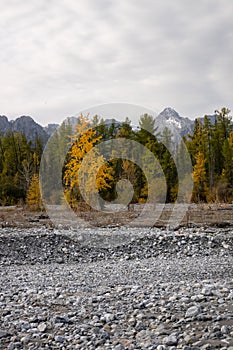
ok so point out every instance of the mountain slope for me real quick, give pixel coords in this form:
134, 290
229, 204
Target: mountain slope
25, 125
179, 126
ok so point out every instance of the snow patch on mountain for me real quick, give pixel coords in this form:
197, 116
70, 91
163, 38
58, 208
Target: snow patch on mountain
174, 122
179, 126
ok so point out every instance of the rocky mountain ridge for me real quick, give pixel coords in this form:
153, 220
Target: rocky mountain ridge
25, 125
178, 125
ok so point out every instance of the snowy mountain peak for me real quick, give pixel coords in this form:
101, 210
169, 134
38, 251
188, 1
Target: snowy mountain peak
169, 113
170, 119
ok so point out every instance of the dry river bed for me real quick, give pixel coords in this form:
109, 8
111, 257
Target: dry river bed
116, 288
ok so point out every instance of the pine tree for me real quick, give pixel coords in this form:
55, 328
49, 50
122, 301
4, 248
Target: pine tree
225, 183
147, 122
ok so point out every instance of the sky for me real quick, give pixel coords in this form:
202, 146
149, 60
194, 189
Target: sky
60, 57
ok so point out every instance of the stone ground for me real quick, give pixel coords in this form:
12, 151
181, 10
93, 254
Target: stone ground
115, 287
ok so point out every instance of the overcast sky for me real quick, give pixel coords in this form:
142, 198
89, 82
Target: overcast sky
58, 57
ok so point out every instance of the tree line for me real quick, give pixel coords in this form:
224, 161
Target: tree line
19, 162
210, 148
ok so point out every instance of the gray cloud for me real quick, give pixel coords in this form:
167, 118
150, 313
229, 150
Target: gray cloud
60, 57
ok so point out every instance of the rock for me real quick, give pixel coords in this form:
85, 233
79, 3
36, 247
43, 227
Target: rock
206, 347
192, 311
170, 340
61, 319
119, 347
160, 330
208, 291
96, 299
108, 317
132, 321
198, 298
42, 327
11, 346
225, 245
59, 339
25, 340
224, 329
221, 301
161, 347
230, 295
3, 334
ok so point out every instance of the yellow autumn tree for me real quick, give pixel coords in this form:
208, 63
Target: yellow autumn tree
79, 172
33, 198
199, 178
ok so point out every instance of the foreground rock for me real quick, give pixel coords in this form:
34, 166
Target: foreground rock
41, 245
159, 290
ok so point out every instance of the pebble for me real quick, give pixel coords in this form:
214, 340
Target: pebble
58, 293
170, 340
42, 327
192, 311
59, 339
3, 333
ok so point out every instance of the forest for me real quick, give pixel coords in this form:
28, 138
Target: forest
210, 149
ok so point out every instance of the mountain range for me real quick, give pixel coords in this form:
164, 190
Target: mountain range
25, 125
178, 125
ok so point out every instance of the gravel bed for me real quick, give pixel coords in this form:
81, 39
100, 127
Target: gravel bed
113, 288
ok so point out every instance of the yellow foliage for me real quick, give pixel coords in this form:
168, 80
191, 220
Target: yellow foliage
199, 171
200, 178
83, 142
33, 198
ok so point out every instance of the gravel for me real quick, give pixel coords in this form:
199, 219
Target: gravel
116, 288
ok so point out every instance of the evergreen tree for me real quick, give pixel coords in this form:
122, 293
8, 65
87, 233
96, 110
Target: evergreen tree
147, 122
